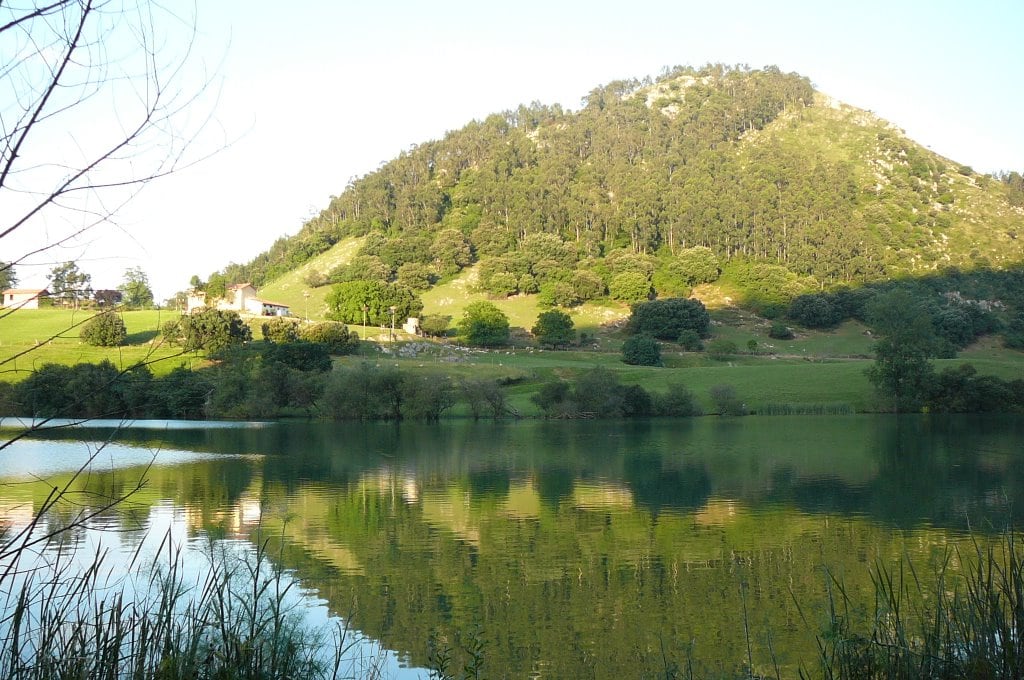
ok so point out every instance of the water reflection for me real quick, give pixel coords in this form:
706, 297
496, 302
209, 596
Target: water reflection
581, 548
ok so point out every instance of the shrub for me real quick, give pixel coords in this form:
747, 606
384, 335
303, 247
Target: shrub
690, 341
554, 328
302, 356
213, 330
435, 325
558, 293
814, 311
336, 336
501, 284
641, 350
667, 319
630, 287
550, 395
721, 349
780, 331
484, 325
726, 401
280, 330
587, 285
676, 401
104, 330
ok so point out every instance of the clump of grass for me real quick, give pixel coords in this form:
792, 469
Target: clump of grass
963, 624
788, 409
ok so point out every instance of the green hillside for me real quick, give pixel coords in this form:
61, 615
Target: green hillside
745, 188
291, 287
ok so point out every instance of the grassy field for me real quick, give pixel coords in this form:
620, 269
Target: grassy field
50, 335
814, 368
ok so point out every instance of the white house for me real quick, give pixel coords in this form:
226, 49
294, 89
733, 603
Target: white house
23, 298
242, 298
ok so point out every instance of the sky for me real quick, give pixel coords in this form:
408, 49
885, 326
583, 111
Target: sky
303, 99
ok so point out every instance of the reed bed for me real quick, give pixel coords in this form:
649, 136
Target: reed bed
787, 409
237, 620
965, 622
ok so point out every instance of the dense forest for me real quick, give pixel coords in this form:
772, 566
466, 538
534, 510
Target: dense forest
750, 171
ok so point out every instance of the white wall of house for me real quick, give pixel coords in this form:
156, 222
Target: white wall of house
22, 299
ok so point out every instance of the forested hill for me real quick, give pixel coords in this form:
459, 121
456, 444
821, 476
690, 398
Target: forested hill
752, 164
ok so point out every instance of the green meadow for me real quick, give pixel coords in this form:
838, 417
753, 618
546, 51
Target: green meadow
813, 368
32, 337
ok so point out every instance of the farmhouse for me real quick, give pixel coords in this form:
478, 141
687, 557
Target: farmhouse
23, 298
240, 298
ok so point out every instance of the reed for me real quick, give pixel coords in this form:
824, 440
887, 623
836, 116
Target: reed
964, 623
812, 409
235, 621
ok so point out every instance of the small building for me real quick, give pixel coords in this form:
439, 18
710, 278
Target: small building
195, 301
412, 326
23, 298
241, 298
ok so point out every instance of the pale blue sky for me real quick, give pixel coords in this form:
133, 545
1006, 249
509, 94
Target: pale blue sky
325, 91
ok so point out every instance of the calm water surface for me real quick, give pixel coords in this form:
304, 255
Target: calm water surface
602, 550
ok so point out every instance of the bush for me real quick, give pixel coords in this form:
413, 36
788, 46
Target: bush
814, 311
690, 341
484, 325
104, 330
213, 330
336, 336
676, 402
780, 331
726, 401
641, 350
630, 287
302, 356
722, 349
554, 328
558, 294
435, 325
280, 330
550, 396
587, 285
667, 319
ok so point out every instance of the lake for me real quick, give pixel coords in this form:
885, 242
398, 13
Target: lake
561, 549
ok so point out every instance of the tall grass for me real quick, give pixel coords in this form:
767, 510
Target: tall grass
788, 409
963, 624
237, 620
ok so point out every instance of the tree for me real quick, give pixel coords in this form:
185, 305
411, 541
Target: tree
8, 278
346, 302
435, 325
211, 330
641, 350
104, 330
450, 252
903, 371
338, 338
135, 287
69, 284
87, 124
554, 328
483, 325
667, 319
814, 311
280, 330
630, 286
